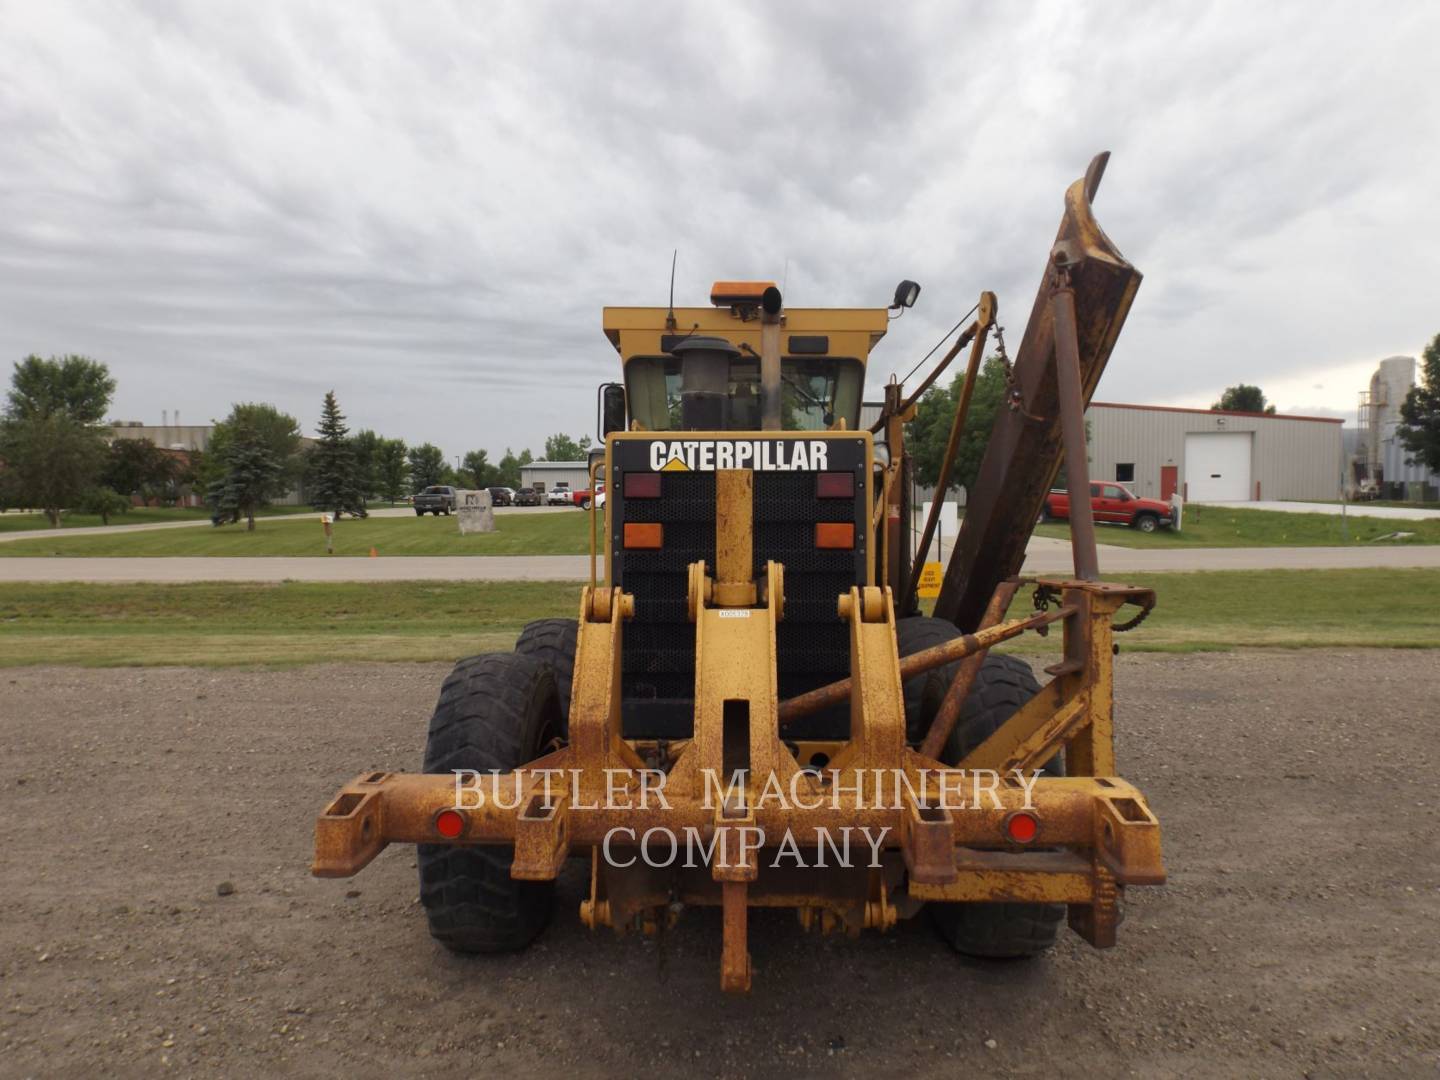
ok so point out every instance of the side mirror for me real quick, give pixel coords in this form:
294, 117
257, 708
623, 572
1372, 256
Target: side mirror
611, 409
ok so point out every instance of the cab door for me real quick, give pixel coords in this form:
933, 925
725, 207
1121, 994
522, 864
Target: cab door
1109, 502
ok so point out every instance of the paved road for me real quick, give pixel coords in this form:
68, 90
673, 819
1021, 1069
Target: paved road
1399, 513
112, 530
1044, 556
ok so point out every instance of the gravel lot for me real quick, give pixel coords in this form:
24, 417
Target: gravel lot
1298, 935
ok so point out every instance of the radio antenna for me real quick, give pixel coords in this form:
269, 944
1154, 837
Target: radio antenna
670, 316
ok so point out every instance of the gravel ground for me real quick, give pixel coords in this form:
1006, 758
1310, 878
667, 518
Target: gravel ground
1297, 936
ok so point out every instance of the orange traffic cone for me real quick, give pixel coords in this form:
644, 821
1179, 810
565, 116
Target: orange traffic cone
373, 553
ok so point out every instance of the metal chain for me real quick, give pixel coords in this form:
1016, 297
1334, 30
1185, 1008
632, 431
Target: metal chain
1120, 628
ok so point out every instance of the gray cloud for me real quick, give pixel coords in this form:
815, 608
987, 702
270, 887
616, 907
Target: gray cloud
426, 206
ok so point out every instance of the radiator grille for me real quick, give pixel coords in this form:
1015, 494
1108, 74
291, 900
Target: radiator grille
658, 674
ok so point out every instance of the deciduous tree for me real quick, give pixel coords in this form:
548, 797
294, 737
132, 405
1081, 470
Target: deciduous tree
1243, 398
51, 438
561, 447
77, 386
1419, 431
392, 471
427, 466
139, 467
280, 434
929, 432
477, 471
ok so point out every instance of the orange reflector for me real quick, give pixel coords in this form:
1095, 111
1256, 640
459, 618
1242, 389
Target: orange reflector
835, 534
1022, 827
449, 824
642, 535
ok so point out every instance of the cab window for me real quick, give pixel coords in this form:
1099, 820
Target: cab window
815, 392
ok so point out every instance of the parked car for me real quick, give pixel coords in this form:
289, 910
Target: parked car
1115, 504
528, 497
582, 498
437, 499
502, 496
560, 495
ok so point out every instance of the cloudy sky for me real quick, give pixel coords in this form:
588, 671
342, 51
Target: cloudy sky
425, 205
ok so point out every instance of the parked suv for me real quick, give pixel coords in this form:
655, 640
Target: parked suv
528, 497
502, 496
1113, 503
437, 499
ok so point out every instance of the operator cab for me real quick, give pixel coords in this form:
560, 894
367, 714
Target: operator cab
707, 384
704, 369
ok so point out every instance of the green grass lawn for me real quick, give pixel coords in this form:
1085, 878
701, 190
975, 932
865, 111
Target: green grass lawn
294, 623
234, 623
515, 534
28, 521
1224, 526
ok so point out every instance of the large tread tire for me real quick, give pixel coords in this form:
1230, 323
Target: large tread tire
924, 693
996, 930
496, 711
554, 642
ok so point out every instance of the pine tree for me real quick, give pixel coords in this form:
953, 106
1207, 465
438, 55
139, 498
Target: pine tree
248, 472
334, 481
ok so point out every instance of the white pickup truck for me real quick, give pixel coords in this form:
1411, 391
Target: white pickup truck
560, 495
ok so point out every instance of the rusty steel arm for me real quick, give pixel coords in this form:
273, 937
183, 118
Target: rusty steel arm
949, 712
916, 663
981, 326
1024, 450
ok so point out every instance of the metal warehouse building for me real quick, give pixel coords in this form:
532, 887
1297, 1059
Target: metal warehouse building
545, 475
1208, 456
1211, 456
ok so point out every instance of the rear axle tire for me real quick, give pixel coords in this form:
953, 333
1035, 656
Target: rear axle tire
924, 693
553, 641
996, 930
496, 711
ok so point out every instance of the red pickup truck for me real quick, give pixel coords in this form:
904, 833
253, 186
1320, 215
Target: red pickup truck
1113, 503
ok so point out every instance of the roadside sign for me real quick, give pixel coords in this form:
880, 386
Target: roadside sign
931, 575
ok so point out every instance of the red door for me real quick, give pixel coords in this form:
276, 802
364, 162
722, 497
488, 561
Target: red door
1169, 481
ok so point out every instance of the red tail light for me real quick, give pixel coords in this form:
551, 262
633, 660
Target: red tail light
835, 485
835, 534
1022, 827
642, 485
449, 824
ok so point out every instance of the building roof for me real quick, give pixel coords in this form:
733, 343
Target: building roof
557, 465
1217, 412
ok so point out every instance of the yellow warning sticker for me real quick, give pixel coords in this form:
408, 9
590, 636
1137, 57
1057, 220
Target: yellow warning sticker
930, 577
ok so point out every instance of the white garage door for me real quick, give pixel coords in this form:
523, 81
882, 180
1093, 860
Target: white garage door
1217, 466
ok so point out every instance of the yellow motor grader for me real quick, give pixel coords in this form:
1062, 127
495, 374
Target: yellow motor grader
750, 709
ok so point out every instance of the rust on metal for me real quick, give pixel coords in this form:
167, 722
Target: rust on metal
948, 715
771, 812
919, 663
983, 321
1023, 454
